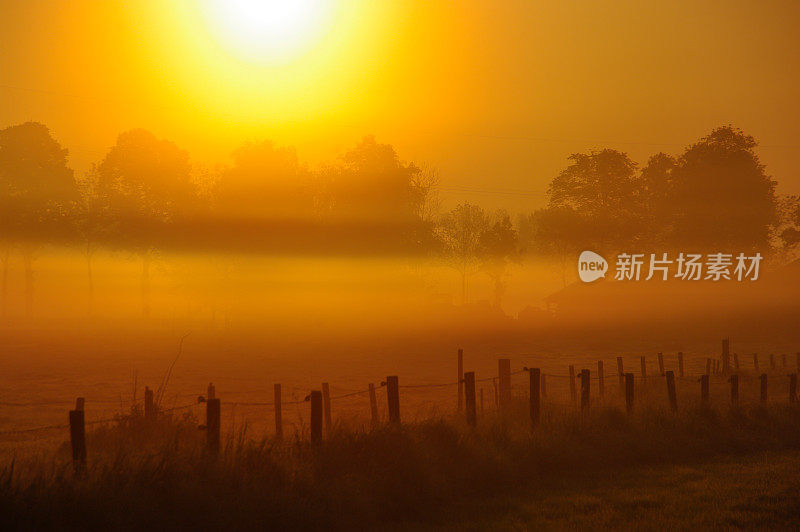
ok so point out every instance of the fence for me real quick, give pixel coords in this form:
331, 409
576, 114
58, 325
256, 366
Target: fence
539, 388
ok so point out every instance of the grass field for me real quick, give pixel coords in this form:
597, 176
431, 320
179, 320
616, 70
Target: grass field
752, 491
699, 468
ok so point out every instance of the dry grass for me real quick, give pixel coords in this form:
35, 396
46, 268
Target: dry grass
604, 469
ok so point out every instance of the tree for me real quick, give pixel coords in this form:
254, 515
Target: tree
461, 233
371, 186
602, 186
596, 182
559, 232
721, 195
264, 182
498, 246
37, 189
656, 195
93, 225
145, 183
371, 183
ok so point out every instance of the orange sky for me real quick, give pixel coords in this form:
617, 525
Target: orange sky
494, 94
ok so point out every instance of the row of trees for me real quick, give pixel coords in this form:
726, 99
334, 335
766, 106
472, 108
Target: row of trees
145, 195
715, 196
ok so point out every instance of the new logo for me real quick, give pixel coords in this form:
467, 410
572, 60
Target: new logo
591, 266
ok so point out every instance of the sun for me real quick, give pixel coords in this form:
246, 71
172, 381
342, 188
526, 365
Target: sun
269, 30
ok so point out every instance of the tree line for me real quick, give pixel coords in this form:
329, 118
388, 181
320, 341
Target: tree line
145, 195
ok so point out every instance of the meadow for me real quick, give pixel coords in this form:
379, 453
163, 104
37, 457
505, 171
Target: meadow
428, 473
704, 466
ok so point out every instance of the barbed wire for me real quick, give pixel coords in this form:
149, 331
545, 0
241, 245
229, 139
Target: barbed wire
743, 376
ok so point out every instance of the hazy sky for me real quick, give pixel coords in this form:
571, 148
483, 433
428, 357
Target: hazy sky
495, 95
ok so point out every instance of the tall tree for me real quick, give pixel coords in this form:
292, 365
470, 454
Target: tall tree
461, 233
557, 232
498, 246
37, 188
93, 225
602, 186
656, 195
264, 182
145, 184
371, 186
722, 197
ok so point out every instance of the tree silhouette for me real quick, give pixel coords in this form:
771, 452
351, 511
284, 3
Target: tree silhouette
36, 191
461, 235
145, 184
558, 232
372, 187
594, 203
264, 182
498, 246
93, 225
602, 186
369, 183
656, 195
721, 196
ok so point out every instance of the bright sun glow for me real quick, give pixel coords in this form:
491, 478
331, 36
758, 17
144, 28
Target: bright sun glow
269, 30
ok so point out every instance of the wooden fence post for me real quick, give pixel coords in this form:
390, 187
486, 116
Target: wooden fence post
734, 380
644, 368
77, 436
629, 392
708, 366
149, 407
211, 392
213, 425
469, 385
704, 397
736, 362
460, 380
373, 405
680, 363
80, 404
755, 362
326, 406
661, 363
316, 416
793, 388
585, 381
278, 413
671, 393
573, 392
393, 398
726, 356
772, 361
504, 382
536, 402
601, 385
621, 374
763, 379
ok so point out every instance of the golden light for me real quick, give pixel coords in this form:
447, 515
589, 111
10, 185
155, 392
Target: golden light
272, 31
